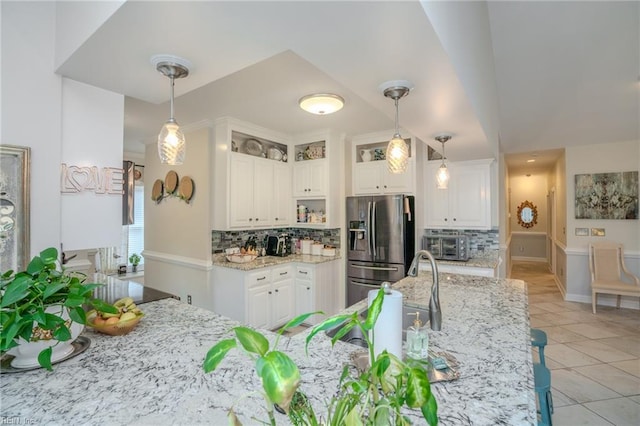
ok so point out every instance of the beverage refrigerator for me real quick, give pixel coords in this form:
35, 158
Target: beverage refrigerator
381, 242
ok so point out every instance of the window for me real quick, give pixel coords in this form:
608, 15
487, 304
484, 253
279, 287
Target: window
136, 231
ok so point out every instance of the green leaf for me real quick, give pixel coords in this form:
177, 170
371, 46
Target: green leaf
49, 255
353, 418
10, 333
418, 388
16, 291
280, 378
51, 321
297, 321
38, 315
44, 358
35, 266
53, 288
73, 301
374, 311
251, 340
217, 353
62, 333
88, 288
430, 411
327, 324
77, 314
101, 306
343, 331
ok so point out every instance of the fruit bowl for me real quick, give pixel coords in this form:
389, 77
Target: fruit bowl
241, 258
117, 329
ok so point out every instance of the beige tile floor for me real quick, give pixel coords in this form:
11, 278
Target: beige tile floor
594, 359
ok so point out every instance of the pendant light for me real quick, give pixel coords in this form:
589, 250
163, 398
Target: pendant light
397, 150
171, 141
442, 177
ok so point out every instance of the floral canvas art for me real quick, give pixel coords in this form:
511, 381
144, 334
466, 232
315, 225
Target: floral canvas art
607, 196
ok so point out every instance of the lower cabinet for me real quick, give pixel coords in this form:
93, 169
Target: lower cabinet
269, 297
317, 290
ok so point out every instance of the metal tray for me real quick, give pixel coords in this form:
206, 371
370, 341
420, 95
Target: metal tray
79, 345
360, 360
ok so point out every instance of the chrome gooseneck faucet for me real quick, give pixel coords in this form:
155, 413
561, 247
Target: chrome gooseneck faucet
435, 315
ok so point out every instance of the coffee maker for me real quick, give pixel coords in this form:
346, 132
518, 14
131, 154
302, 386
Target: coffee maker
279, 245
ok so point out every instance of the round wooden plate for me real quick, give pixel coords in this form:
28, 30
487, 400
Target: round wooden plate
171, 182
158, 189
186, 188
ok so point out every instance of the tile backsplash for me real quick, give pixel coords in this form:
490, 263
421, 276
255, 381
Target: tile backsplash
221, 240
479, 241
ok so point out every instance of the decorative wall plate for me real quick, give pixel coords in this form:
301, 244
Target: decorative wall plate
157, 191
171, 182
186, 188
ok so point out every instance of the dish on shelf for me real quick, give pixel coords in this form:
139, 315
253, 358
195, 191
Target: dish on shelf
253, 147
241, 258
275, 154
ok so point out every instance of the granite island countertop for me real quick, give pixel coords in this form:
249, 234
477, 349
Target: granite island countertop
266, 261
154, 374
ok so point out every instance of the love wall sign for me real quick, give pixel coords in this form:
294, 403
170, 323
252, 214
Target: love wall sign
105, 180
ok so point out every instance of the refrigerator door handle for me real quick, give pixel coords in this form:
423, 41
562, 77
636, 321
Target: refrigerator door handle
369, 231
374, 268
373, 231
358, 283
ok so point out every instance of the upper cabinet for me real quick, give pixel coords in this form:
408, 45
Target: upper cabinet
370, 173
252, 177
467, 201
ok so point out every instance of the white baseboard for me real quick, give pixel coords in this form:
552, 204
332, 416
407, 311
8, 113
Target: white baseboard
529, 259
605, 300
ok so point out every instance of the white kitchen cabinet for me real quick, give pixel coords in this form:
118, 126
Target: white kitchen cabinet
373, 177
370, 173
262, 298
317, 290
282, 201
467, 201
309, 178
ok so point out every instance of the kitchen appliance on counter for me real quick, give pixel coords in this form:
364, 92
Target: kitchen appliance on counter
381, 242
278, 245
447, 247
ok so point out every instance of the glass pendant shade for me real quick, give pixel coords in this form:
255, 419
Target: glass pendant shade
442, 177
171, 144
397, 155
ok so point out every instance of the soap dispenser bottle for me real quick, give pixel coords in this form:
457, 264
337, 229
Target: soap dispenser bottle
417, 339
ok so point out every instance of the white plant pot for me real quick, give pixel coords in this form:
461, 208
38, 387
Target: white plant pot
26, 353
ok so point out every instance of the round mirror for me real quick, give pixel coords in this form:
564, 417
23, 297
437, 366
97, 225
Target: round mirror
527, 214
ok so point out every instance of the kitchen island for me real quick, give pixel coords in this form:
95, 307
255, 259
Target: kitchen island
154, 374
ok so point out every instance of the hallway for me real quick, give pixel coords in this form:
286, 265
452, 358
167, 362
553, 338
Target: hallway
594, 359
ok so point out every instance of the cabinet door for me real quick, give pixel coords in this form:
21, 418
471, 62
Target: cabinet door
316, 173
282, 205
367, 178
282, 302
300, 179
436, 200
262, 193
241, 181
397, 183
259, 306
469, 197
304, 298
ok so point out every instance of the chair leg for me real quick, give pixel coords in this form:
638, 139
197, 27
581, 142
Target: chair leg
541, 355
594, 300
618, 302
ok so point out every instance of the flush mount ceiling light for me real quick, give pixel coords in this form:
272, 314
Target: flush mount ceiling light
171, 141
442, 177
397, 150
321, 103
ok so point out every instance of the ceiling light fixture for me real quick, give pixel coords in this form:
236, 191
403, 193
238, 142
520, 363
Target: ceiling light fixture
442, 177
321, 103
397, 149
171, 141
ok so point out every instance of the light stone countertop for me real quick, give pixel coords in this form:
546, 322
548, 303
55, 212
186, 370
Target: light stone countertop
488, 259
154, 374
266, 261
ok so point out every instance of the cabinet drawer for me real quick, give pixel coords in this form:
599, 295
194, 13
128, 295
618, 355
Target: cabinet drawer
304, 272
281, 273
262, 276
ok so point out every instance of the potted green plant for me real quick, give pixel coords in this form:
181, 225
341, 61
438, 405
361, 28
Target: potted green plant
41, 310
134, 259
375, 396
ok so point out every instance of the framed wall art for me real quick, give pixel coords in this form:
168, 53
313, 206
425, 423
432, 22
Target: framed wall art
607, 195
14, 207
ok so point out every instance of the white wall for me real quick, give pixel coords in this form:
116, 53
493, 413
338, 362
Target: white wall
529, 188
92, 123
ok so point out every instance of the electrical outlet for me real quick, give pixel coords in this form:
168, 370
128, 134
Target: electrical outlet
188, 298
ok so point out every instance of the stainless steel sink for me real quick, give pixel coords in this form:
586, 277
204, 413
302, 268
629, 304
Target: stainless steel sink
355, 336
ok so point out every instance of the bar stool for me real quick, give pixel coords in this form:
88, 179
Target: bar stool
542, 379
539, 340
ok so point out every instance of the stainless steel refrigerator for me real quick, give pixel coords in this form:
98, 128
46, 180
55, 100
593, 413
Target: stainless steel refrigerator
381, 242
